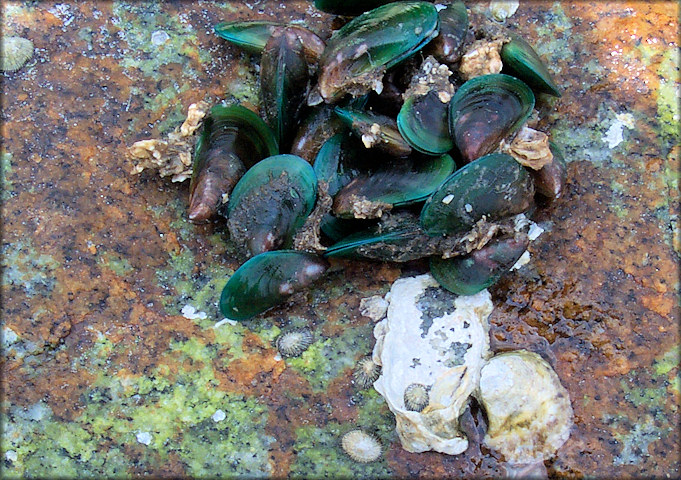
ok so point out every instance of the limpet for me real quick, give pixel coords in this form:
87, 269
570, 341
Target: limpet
416, 397
366, 372
361, 446
293, 342
15, 53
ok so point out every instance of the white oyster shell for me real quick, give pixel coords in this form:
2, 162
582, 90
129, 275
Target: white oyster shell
437, 339
528, 409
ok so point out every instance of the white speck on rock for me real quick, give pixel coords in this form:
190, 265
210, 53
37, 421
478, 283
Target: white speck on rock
219, 416
223, 321
523, 260
11, 455
613, 136
159, 37
190, 312
144, 438
534, 232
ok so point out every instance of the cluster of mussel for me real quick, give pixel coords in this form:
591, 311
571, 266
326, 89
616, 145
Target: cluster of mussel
374, 135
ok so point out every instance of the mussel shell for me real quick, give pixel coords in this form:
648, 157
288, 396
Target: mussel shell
233, 139
495, 186
357, 55
250, 36
446, 47
385, 137
550, 180
271, 201
283, 83
522, 61
404, 182
267, 280
337, 162
470, 274
485, 110
422, 121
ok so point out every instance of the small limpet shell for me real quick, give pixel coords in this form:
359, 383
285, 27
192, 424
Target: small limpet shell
361, 446
416, 397
293, 343
366, 372
15, 52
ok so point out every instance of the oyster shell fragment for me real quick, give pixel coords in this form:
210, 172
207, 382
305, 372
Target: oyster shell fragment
440, 341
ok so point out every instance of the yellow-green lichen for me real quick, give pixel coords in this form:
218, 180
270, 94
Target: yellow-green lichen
668, 361
668, 96
27, 269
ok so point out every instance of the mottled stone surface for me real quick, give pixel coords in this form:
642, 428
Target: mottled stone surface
104, 376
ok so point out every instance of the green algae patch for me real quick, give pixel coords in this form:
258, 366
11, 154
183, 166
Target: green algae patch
116, 263
320, 455
667, 362
327, 359
7, 190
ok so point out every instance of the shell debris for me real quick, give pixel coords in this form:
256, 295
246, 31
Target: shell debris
15, 52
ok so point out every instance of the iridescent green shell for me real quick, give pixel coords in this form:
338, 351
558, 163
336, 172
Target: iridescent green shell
270, 202
495, 186
267, 280
522, 61
470, 274
487, 109
232, 140
422, 121
446, 47
251, 36
358, 54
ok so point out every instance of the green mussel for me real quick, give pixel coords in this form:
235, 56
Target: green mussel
250, 36
233, 139
270, 202
447, 46
470, 274
402, 182
267, 280
485, 110
521, 61
494, 186
358, 54
375, 131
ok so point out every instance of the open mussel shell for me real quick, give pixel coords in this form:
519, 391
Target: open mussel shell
358, 54
494, 186
485, 110
522, 61
267, 280
283, 82
233, 139
250, 36
375, 130
472, 273
403, 182
422, 121
270, 202
446, 47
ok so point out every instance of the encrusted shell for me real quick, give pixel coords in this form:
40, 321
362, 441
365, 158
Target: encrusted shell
293, 343
528, 409
361, 446
15, 52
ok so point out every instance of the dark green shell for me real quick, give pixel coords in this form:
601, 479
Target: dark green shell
522, 61
267, 280
388, 139
480, 269
485, 110
495, 186
402, 183
232, 140
270, 202
446, 47
251, 36
357, 54
422, 121
283, 83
